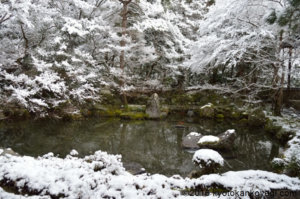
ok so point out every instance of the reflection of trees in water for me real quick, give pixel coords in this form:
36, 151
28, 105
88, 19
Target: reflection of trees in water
253, 150
10, 136
156, 145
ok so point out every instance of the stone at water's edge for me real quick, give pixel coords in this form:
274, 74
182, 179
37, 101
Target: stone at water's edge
190, 141
207, 111
226, 141
153, 107
8, 151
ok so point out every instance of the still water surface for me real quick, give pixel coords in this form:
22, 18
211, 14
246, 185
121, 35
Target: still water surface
153, 145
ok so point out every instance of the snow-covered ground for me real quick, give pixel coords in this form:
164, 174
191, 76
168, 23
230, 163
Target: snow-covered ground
290, 122
103, 176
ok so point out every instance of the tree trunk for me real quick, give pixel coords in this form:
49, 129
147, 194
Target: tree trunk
122, 44
279, 94
289, 74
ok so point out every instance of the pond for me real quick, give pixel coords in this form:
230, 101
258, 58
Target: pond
153, 145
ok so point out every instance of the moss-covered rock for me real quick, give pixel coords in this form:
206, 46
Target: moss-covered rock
223, 141
257, 118
207, 111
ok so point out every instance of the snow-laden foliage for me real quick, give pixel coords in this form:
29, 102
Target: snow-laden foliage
237, 46
102, 176
56, 51
77, 45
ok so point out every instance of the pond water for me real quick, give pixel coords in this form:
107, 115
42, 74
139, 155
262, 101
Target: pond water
153, 145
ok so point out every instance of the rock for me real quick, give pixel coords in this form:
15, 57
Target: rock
208, 160
190, 141
153, 107
8, 151
208, 140
257, 118
190, 113
207, 111
71, 112
222, 141
225, 140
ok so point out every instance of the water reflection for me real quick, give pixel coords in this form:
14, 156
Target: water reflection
154, 145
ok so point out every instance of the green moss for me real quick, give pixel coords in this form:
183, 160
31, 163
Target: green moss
220, 116
113, 112
136, 108
257, 118
133, 115
235, 115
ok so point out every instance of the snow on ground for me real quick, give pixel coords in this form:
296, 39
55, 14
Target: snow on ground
290, 122
102, 175
293, 150
209, 156
208, 139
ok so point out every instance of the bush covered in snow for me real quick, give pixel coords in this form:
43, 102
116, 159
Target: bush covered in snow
208, 159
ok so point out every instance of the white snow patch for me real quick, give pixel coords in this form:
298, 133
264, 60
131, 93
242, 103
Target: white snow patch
229, 131
208, 139
209, 105
193, 134
74, 152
